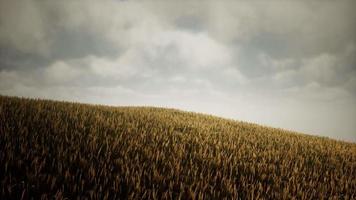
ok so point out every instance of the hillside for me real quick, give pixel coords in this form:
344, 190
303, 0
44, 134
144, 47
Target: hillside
64, 150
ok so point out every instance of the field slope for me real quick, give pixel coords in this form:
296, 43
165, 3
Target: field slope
58, 150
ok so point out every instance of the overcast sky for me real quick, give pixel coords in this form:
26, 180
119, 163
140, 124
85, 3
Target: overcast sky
287, 64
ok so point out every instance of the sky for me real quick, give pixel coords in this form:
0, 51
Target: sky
280, 63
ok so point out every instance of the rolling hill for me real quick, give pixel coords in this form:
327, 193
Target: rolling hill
56, 150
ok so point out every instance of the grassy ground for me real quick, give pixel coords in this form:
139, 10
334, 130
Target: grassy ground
61, 150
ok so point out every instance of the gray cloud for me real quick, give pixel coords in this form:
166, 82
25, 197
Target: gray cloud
287, 64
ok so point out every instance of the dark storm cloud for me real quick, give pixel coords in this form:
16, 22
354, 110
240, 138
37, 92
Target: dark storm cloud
288, 64
11, 59
69, 44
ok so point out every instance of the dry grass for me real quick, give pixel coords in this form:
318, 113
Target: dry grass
64, 150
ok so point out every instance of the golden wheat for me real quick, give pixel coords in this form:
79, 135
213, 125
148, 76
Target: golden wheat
56, 150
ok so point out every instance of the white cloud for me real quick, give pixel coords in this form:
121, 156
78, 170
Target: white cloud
232, 74
326, 70
159, 57
61, 72
197, 50
322, 68
120, 22
120, 68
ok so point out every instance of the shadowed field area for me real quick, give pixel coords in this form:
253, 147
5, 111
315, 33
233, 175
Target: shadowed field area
52, 149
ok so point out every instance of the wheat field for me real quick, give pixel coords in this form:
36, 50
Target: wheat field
62, 150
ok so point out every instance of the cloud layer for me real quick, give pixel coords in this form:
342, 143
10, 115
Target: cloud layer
287, 64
